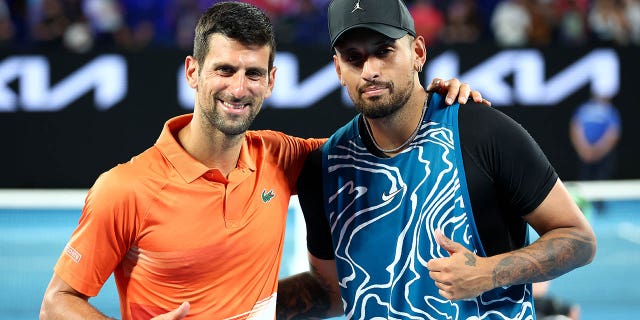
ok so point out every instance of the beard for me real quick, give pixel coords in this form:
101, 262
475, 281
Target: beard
231, 125
382, 106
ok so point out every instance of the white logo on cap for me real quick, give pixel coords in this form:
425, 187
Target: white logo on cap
356, 7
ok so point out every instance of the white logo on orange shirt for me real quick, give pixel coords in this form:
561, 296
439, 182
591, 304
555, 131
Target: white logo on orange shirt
72, 253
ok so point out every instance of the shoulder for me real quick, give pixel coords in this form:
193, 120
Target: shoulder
476, 112
272, 138
348, 131
285, 151
130, 181
481, 121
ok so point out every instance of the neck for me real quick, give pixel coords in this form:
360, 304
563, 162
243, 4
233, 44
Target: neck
394, 133
212, 148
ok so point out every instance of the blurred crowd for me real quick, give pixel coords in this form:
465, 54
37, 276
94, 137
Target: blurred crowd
82, 25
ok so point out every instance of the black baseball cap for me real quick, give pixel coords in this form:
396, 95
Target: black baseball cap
389, 17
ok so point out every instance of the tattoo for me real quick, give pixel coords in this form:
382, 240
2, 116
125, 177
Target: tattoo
303, 296
471, 259
545, 259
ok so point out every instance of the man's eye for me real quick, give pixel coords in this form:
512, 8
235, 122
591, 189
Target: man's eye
354, 58
254, 75
225, 71
383, 52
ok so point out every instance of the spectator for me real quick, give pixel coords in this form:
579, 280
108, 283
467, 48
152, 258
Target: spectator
7, 28
632, 11
48, 23
148, 22
595, 129
304, 25
428, 20
542, 22
183, 17
511, 23
106, 20
463, 22
608, 22
77, 36
572, 28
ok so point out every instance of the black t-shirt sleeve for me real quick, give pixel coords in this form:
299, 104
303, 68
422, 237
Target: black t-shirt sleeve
311, 200
507, 173
508, 154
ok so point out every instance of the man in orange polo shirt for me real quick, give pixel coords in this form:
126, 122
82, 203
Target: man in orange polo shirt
194, 226
200, 216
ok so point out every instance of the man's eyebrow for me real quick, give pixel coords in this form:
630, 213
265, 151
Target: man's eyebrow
223, 65
257, 69
234, 67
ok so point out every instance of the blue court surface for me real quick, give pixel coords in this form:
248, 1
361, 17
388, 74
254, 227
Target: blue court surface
32, 239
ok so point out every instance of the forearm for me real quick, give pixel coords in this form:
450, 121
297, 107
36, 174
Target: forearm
555, 253
304, 296
61, 306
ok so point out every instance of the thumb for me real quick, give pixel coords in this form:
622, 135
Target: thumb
177, 314
446, 243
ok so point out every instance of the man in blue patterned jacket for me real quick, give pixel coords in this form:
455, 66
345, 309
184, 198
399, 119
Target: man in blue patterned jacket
415, 210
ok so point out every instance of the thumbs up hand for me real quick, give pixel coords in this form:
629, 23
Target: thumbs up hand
177, 313
463, 274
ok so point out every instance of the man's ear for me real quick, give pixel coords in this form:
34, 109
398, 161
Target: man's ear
191, 70
420, 52
272, 81
338, 71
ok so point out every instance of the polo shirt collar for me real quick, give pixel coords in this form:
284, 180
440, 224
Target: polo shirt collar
187, 167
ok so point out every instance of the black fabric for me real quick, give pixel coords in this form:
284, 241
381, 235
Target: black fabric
310, 196
507, 173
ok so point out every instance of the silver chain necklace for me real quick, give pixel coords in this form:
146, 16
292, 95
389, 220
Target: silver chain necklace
406, 142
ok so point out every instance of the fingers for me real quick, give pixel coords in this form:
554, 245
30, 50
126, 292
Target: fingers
434, 266
445, 294
454, 90
463, 95
435, 85
445, 289
477, 97
449, 292
450, 87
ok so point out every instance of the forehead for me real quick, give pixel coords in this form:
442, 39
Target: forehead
226, 50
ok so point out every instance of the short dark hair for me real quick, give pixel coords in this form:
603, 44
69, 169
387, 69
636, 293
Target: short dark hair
238, 21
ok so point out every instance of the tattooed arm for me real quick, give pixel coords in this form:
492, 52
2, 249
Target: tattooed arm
312, 294
566, 242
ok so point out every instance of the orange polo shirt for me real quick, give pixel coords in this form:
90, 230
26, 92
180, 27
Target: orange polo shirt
173, 230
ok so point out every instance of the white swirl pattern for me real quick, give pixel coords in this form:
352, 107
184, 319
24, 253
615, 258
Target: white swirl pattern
383, 214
